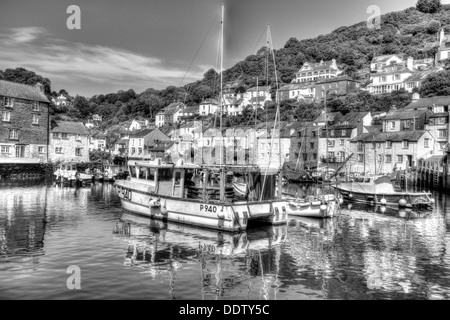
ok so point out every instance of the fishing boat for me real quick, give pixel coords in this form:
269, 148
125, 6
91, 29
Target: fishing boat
380, 190
292, 173
171, 192
67, 173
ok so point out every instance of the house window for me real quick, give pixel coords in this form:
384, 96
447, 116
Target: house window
442, 133
397, 77
140, 151
78, 137
442, 145
343, 133
133, 150
388, 158
426, 143
311, 144
383, 79
360, 158
64, 136
79, 152
36, 106
374, 145
400, 159
315, 156
405, 144
406, 124
360, 147
35, 119
58, 150
332, 133
14, 134
388, 144
9, 102
5, 149
6, 116
41, 150
313, 134
392, 124
331, 143
55, 135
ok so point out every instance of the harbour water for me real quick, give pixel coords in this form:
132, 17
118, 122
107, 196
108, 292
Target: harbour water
363, 253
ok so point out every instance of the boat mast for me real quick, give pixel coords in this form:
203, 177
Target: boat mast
222, 170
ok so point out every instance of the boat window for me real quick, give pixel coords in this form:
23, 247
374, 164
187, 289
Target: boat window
165, 174
141, 173
177, 178
133, 172
359, 179
367, 180
151, 174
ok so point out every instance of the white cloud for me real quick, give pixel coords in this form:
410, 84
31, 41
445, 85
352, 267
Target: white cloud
71, 62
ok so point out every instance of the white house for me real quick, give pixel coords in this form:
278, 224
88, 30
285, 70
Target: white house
311, 72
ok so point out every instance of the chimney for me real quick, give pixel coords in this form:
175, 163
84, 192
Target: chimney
410, 63
415, 96
40, 86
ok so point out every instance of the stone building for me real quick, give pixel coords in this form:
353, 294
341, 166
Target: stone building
69, 141
24, 129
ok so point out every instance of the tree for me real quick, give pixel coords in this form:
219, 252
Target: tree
24, 76
436, 84
428, 6
82, 105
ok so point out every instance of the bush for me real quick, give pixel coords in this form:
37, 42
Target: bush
428, 6
433, 27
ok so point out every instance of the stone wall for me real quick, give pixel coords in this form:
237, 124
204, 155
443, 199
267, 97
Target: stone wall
25, 171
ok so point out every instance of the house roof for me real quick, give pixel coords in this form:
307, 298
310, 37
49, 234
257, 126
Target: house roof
257, 99
426, 103
210, 101
374, 129
260, 88
330, 116
141, 133
419, 76
318, 65
69, 127
397, 136
385, 58
336, 79
343, 126
439, 114
161, 146
405, 114
190, 110
21, 91
353, 117
295, 86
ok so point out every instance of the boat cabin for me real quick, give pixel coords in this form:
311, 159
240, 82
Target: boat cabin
212, 183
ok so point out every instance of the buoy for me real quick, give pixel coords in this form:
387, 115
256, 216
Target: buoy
402, 202
323, 207
350, 195
383, 209
221, 214
383, 202
341, 200
371, 203
350, 206
432, 200
402, 213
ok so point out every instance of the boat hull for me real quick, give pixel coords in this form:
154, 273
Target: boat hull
222, 216
420, 198
312, 209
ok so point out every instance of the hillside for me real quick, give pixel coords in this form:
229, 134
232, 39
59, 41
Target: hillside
353, 47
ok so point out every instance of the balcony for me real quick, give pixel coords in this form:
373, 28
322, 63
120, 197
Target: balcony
331, 160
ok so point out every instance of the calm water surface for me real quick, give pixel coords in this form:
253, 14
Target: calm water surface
364, 253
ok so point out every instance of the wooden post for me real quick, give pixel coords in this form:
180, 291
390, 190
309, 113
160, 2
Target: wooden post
156, 180
205, 183
222, 184
183, 172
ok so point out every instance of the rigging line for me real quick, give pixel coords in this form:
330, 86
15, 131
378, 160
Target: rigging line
257, 43
198, 50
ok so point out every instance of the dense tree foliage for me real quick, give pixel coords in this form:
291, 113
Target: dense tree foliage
436, 84
428, 6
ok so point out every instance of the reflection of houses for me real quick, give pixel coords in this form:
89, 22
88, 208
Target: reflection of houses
69, 142
24, 123
143, 141
188, 114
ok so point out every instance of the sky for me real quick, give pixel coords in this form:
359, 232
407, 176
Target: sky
141, 44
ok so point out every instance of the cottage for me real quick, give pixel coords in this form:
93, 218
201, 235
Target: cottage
170, 114
24, 123
337, 85
69, 142
142, 141
296, 91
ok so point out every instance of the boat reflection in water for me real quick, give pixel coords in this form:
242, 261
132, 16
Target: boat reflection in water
390, 211
163, 249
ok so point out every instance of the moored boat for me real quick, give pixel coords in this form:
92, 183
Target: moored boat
67, 173
380, 190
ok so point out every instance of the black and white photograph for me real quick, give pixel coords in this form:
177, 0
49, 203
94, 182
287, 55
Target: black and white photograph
224, 155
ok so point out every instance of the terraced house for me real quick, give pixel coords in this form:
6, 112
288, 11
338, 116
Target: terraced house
24, 127
69, 141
